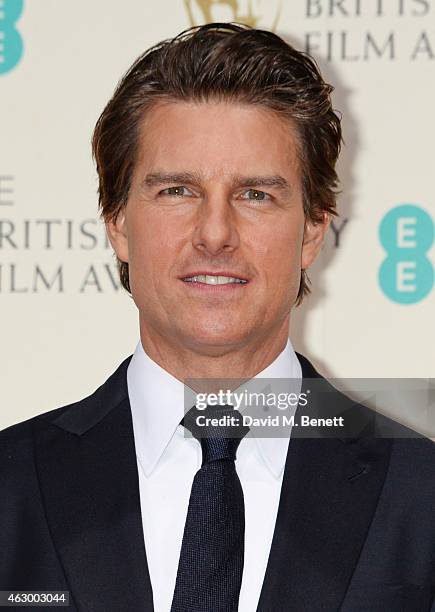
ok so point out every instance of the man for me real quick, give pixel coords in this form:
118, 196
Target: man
216, 160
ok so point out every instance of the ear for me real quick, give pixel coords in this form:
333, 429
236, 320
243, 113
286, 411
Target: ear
117, 233
314, 235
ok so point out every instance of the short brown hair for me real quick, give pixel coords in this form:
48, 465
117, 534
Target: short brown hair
222, 61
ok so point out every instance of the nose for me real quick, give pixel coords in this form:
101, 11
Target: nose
216, 231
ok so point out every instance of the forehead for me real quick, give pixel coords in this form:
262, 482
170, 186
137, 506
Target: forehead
217, 138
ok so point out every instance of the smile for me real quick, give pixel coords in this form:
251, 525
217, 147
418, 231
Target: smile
213, 280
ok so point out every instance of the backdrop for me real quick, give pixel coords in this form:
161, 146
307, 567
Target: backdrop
66, 324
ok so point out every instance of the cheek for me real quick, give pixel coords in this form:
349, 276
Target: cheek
278, 251
143, 246
153, 251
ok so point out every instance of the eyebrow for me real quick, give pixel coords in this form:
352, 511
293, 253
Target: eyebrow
279, 182
164, 178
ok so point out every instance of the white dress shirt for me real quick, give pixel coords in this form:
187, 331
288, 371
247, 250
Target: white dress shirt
168, 461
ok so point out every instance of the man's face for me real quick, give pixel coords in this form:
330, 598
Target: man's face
216, 191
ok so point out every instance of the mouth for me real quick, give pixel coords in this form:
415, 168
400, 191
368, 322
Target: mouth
216, 282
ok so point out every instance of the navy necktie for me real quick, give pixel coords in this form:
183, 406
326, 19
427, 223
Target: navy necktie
211, 559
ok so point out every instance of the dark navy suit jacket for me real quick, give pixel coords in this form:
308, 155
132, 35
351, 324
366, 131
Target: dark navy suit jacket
355, 529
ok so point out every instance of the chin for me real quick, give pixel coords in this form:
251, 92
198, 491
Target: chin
215, 337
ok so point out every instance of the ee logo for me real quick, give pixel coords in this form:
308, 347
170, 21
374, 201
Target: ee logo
406, 275
11, 43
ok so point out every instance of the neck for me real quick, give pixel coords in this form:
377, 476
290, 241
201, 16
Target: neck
241, 361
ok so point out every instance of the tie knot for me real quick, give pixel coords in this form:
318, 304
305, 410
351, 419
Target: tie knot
219, 430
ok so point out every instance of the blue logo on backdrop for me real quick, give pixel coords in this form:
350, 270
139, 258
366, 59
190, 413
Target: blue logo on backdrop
11, 43
406, 275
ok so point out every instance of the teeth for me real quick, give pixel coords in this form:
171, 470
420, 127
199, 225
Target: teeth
214, 280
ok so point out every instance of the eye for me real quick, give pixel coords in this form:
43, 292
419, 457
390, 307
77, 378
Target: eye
255, 195
178, 191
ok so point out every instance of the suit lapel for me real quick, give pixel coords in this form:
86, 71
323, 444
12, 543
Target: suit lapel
329, 494
86, 462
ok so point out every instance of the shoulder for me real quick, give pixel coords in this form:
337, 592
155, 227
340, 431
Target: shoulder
413, 464
17, 441
412, 452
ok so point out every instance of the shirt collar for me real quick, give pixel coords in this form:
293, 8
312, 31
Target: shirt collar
157, 406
